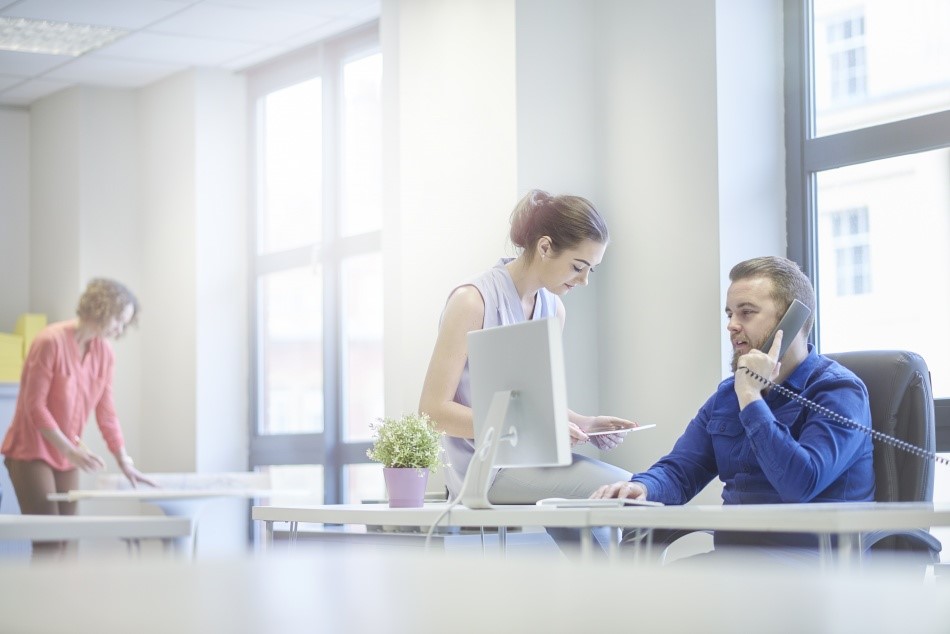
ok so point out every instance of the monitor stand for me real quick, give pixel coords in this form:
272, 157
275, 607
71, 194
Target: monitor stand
478, 477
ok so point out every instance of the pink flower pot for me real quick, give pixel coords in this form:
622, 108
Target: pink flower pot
406, 486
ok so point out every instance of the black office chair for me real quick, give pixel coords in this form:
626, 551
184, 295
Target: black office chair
902, 406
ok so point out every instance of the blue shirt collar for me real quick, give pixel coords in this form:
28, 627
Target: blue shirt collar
799, 376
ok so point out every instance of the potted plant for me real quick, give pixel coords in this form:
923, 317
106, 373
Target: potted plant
408, 448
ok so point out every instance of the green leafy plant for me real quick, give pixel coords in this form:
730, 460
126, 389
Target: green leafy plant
409, 441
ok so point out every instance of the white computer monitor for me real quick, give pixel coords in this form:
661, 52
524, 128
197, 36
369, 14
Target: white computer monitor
519, 402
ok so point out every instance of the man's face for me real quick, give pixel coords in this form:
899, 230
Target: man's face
752, 314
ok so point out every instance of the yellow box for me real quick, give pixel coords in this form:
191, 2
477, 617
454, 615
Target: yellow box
10, 373
11, 348
11, 357
27, 326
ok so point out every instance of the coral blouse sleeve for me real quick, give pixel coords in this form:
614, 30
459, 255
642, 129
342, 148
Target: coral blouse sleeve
38, 374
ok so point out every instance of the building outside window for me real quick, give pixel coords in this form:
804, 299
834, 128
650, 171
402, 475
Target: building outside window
316, 273
849, 231
846, 57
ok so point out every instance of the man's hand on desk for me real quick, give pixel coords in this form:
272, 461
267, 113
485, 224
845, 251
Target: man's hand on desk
623, 489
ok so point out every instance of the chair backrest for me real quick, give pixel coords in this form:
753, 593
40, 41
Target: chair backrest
902, 406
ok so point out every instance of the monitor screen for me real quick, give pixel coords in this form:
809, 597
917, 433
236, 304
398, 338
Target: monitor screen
519, 397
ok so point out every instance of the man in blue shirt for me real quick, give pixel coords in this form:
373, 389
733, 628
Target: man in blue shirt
765, 447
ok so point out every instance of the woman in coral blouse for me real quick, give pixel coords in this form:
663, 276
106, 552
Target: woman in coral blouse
67, 373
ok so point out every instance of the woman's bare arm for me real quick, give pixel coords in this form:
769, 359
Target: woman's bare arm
464, 312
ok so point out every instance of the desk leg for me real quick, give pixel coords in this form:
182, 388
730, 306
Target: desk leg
825, 553
613, 548
642, 545
182, 546
267, 539
184, 508
587, 545
849, 548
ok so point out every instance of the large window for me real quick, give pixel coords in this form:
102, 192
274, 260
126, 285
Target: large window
317, 268
868, 139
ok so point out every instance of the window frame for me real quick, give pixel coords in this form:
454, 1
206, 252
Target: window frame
326, 448
808, 155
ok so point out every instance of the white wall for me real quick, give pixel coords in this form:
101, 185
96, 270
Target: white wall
15, 215
660, 325
168, 251
193, 248
557, 115
691, 189
221, 272
194, 396
110, 236
55, 194
751, 132
454, 183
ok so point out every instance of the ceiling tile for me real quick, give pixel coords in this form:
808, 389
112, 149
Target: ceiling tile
6, 81
119, 73
28, 64
177, 49
287, 45
237, 23
127, 14
323, 7
27, 92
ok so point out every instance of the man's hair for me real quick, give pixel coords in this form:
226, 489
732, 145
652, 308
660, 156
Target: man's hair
104, 299
788, 282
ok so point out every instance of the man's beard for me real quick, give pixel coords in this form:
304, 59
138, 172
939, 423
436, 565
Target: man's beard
736, 354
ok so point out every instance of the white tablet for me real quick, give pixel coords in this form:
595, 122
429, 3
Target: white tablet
597, 431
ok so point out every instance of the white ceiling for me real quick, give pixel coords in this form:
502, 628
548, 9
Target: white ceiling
167, 36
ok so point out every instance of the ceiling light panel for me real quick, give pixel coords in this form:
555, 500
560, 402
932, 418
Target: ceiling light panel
54, 38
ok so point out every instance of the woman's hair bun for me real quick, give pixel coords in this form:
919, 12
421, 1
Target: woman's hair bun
565, 219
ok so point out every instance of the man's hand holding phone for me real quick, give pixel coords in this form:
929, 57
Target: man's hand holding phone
748, 388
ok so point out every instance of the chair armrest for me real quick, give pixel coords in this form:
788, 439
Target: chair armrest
917, 540
660, 539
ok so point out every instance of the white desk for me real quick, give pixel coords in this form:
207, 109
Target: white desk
500, 518
187, 503
172, 501
45, 528
846, 520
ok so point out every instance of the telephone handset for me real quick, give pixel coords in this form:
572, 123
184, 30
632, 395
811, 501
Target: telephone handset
790, 324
